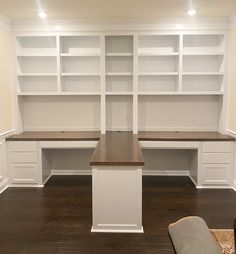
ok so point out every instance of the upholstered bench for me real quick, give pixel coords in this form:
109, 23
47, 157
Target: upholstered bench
191, 235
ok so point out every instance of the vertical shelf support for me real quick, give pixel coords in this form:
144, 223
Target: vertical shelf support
103, 85
135, 84
58, 43
180, 65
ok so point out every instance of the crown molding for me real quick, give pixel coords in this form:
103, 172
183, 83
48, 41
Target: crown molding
175, 24
233, 21
5, 23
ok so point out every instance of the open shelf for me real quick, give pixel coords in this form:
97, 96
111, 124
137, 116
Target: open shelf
81, 64
119, 84
198, 83
119, 74
58, 93
157, 64
153, 45
80, 45
36, 65
158, 74
80, 54
36, 74
211, 44
37, 84
119, 54
115, 44
80, 74
36, 46
156, 84
85, 84
203, 64
119, 65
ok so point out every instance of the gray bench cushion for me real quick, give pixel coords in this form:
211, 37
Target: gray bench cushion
191, 235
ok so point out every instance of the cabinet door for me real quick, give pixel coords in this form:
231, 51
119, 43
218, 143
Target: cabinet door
24, 173
216, 174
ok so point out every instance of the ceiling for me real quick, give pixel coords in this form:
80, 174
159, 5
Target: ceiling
114, 9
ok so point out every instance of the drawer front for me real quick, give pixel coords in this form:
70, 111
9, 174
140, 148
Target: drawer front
216, 147
24, 173
24, 157
216, 174
24, 146
216, 158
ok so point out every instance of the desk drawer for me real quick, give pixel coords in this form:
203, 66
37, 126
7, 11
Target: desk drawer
216, 174
216, 158
23, 157
216, 147
24, 173
24, 146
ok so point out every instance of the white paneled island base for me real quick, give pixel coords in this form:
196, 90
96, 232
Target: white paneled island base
117, 199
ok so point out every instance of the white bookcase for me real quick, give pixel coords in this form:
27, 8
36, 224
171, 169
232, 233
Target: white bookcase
131, 81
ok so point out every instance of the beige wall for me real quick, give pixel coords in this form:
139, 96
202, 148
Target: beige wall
232, 80
6, 64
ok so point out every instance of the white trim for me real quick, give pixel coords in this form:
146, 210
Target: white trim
165, 173
234, 185
117, 230
122, 25
71, 172
3, 186
231, 133
214, 187
26, 185
192, 180
6, 134
144, 172
47, 179
5, 23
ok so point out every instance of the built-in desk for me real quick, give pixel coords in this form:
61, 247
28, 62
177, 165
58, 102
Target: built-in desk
117, 163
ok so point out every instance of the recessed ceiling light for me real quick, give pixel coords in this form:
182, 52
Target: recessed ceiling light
42, 14
191, 12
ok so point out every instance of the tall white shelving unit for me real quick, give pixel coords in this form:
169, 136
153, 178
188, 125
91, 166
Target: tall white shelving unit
129, 82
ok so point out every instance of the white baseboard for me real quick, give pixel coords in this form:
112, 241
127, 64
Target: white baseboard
3, 186
26, 185
165, 172
47, 179
214, 187
192, 180
71, 172
145, 172
117, 230
234, 185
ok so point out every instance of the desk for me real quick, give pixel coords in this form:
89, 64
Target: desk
117, 184
213, 161
117, 166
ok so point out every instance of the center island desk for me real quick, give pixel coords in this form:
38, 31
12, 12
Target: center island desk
117, 163
117, 183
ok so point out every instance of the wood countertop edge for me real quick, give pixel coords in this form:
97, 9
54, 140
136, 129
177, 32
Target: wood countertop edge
187, 139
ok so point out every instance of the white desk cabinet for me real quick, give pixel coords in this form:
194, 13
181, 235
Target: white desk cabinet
23, 163
217, 164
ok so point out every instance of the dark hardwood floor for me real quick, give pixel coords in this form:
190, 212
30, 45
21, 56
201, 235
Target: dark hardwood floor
57, 218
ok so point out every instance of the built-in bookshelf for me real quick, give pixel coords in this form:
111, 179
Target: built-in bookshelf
136, 81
